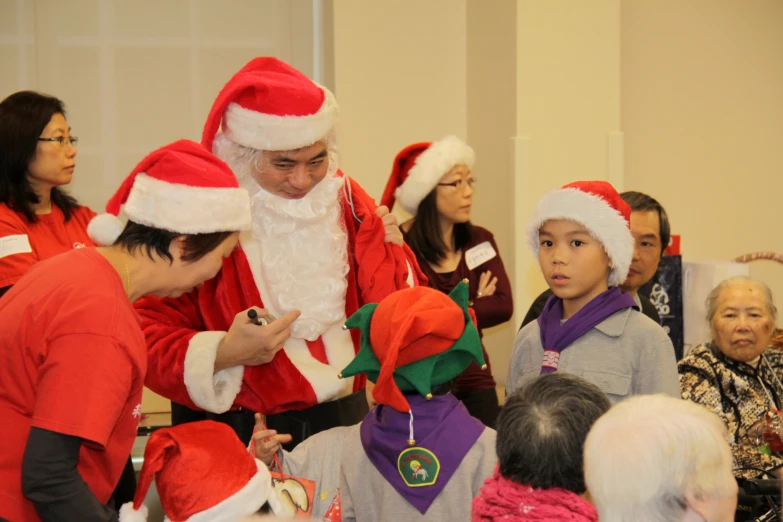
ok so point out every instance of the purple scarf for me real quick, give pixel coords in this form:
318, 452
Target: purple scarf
556, 337
441, 425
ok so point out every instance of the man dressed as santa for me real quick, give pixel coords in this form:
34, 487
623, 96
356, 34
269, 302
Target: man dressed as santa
319, 249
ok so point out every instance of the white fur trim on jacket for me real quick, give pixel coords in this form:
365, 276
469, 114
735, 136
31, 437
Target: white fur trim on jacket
128, 514
603, 222
271, 132
429, 167
323, 378
210, 390
185, 209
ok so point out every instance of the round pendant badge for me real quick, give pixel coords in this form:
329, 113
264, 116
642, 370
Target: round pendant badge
418, 467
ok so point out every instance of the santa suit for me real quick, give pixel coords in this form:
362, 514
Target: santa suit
183, 334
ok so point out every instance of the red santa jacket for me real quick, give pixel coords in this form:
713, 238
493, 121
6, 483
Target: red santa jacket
183, 334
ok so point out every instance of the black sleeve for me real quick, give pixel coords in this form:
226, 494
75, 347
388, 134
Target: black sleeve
649, 309
536, 308
51, 481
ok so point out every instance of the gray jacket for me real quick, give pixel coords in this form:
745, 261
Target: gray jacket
627, 354
318, 458
367, 497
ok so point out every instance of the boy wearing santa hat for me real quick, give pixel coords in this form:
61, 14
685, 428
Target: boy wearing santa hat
419, 454
581, 236
318, 247
74, 358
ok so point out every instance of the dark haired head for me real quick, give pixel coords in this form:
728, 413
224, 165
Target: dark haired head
23, 117
542, 428
155, 240
639, 202
424, 236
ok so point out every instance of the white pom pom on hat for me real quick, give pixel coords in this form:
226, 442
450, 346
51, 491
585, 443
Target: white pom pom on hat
181, 188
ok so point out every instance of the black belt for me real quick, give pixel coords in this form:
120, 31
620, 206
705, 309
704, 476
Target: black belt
301, 424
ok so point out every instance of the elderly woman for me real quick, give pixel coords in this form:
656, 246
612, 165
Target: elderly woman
738, 374
656, 458
541, 431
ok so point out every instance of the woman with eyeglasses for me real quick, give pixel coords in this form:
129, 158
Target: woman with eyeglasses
38, 219
433, 182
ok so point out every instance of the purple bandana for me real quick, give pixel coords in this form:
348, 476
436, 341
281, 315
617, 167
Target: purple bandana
557, 336
442, 425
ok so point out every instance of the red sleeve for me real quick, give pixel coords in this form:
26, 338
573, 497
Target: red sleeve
384, 267
168, 326
16, 253
499, 307
181, 354
83, 386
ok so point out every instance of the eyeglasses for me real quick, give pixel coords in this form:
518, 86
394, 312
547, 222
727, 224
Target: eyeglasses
460, 185
62, 140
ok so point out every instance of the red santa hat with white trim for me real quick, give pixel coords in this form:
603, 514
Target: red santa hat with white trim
202, 473
598, 207
269, 105
181, 188
418, 168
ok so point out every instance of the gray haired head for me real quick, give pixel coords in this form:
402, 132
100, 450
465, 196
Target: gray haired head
715, 293
542, 428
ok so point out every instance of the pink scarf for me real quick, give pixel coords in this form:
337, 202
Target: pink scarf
502, 499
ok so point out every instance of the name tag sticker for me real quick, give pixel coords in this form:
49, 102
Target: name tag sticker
17, 244
479, 254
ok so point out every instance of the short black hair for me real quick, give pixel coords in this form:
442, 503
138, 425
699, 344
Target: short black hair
541, 431
135, 236
23, 117
639, 202
424, 236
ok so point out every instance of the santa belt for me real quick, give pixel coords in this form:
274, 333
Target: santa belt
346, 411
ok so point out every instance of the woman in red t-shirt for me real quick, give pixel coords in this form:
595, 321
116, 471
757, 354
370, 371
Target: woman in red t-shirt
38, 219
74, 357
433, 182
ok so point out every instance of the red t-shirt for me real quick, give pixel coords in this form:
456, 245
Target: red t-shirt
23, 244
72, 360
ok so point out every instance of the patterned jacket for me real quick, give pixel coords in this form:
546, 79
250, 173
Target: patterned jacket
733, 391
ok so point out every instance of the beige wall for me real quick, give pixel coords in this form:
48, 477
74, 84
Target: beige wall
702, 109
138, 75
399, 73
568, 111
491, 104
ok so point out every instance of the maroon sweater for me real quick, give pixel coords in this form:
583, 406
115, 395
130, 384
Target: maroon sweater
490, 311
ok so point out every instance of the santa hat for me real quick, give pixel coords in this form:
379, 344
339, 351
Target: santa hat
269, 105
202, 473
418, 168
413, 340
598, 207
181, 188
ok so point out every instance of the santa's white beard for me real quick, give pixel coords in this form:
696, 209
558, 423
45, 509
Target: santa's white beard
304, 254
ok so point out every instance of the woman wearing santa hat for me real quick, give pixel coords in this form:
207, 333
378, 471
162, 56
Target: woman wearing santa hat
74, 357
433, 181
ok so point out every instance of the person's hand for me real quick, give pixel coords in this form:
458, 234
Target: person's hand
390, 225
267, 442
368, 394
249, 344
487, 285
